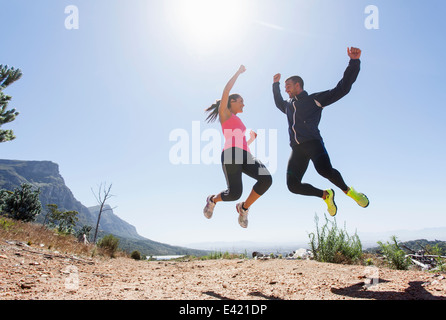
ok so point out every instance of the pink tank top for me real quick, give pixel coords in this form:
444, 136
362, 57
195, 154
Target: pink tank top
234, 131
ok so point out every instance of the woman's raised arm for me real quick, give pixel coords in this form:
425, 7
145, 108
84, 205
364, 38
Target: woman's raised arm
223, 112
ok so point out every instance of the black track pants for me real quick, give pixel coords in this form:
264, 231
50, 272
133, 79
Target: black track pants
236, 161
301, 155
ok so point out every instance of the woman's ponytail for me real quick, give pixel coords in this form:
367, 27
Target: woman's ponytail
213, 109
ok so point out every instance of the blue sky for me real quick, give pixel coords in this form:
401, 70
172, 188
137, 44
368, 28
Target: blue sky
103, 99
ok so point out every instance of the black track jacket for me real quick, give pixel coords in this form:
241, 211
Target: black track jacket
304, 111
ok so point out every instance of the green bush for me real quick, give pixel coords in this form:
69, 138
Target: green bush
135, 255
223, 255
396, 257
332, 244
21, 204
84, 230
109, 244
6, 224
440, 262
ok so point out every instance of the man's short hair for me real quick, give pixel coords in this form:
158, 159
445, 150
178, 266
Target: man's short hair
297, 79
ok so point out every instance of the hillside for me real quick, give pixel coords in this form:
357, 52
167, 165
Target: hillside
53, 190
111, 222
413, 246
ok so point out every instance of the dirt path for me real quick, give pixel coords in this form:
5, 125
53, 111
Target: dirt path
36, 273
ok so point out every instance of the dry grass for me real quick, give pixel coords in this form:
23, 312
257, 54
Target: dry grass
39, 236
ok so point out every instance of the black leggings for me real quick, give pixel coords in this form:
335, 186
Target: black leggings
236, 161
301, 155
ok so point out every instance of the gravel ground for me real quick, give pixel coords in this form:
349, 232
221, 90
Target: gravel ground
33, 273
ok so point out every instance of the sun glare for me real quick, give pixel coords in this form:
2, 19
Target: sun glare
208, 24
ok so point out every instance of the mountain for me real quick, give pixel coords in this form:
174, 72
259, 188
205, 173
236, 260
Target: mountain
45, 176
110, 221
371, 238
130, 240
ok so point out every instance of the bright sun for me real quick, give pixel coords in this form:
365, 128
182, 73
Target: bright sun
208, 24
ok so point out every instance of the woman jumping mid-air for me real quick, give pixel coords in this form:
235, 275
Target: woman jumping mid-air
236, 157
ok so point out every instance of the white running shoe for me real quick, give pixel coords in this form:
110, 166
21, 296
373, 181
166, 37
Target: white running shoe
243, 215
209, 208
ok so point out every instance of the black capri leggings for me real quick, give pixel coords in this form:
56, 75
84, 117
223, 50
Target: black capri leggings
301, 155
236, 161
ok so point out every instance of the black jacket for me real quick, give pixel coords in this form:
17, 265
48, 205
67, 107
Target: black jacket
304, 111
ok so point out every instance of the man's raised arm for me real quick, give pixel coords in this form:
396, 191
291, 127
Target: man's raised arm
344, 86
278, 99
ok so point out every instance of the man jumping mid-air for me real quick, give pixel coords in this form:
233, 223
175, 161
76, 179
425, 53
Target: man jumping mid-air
304, 114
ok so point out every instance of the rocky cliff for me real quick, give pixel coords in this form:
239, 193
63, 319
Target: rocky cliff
45, 176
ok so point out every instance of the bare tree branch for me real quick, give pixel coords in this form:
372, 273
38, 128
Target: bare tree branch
102, 195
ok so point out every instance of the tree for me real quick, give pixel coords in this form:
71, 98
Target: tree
21, 204
4, 194
7, 77
51, 208
101, 197
64, 221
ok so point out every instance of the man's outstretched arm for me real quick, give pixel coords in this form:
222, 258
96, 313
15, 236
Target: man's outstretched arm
280, 103
344, 86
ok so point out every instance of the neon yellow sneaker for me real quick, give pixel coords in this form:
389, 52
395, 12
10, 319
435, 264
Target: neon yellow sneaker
329, 200
360, 198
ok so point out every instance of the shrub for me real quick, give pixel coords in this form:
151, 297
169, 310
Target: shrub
109, 245
135, 255
396, 257
223, 255
331, 244
84, 230
6, 224
440, 262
